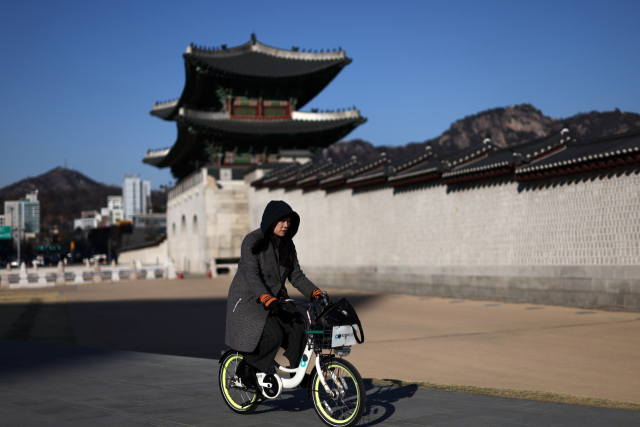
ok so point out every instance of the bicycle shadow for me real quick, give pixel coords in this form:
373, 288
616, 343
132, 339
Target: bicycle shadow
380, 402
381, 399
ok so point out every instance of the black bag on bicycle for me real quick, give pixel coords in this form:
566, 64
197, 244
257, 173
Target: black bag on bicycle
339, 314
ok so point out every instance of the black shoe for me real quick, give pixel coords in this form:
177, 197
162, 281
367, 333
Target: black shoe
247, 375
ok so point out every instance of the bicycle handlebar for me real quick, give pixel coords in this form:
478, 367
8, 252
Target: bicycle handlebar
302, 303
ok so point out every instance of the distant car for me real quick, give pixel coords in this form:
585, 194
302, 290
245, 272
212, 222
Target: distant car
16, 263
100, 258
38, 262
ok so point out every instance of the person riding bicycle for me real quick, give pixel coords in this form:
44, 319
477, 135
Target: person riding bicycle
257, 326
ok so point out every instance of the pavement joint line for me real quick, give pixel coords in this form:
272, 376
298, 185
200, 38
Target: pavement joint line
505, 331
531, 395
98, 409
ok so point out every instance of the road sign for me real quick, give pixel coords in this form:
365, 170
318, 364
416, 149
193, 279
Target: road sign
5, 232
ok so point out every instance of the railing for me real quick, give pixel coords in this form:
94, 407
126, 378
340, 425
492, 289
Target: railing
195, 178
46, 277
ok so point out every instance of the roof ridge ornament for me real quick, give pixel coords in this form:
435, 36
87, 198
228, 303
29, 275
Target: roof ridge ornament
253, 45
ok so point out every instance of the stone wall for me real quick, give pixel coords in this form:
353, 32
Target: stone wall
206, 221
564, 242
152, 255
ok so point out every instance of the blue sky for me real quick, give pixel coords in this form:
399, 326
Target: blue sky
78, 79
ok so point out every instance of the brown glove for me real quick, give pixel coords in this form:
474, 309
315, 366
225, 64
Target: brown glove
317, 294
270, 301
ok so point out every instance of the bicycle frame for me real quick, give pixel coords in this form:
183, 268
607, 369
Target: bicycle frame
299, 372
290, 383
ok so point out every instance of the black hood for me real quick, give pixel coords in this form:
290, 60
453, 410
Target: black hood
275, 210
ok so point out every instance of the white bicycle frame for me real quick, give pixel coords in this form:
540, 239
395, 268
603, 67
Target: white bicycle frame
299, 372
293, 382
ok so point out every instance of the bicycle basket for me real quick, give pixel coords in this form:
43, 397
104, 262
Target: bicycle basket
336, 326
321, 339
338, 336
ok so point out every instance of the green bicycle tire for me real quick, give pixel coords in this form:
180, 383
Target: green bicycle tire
345, 411
239, 401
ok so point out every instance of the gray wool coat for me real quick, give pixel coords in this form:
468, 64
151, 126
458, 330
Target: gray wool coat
257, 275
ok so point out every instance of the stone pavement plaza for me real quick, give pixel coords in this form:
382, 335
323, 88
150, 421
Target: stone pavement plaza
56, 385
145, 354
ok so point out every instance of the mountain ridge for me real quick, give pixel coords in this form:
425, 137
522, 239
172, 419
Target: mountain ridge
65, 193
56, 179
506, 126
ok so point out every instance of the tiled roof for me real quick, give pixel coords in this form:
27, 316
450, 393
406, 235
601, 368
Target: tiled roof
310, 169
165, 110
277, 169
339, 174
501, 161
498, 162
371, 173
275, 126
545, 157
155, 157
259, 60
585, 156
534, 150
457, 160
274, 180
414, 168
253, 69
427, 168
316, 177
289, 179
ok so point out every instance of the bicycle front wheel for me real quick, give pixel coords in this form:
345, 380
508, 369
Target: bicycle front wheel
239, 400
347, 407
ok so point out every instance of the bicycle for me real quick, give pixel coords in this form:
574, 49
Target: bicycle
335, 386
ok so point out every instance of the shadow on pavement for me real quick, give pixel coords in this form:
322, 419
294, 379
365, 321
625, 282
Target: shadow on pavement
380, 402
191, 327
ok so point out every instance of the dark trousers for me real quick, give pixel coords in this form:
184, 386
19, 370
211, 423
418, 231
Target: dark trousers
286, 330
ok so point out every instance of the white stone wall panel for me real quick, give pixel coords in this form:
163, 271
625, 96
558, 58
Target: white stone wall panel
593, 223
215, 222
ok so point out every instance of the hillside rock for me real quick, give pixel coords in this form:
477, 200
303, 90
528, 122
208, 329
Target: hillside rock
506, 126
586, 126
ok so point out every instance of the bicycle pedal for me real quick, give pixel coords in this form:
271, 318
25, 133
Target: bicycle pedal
237, 383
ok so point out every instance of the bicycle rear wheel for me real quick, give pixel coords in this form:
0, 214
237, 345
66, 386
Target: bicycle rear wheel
347, 408
239, 400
